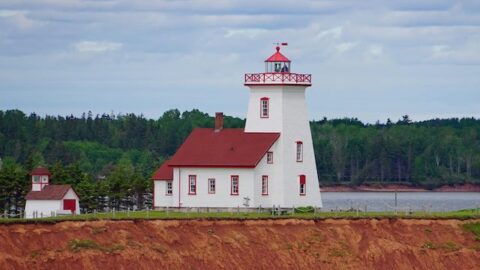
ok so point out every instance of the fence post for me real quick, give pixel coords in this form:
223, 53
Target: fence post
5, 214
238, 210
113, 212
128, 211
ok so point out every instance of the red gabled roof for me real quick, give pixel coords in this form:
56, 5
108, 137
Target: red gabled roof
206, 147
165, 172
49, 192
40, 171
277, 57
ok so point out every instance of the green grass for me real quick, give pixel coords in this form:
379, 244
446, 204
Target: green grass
142, 215
473, 228
447, 246
77, 245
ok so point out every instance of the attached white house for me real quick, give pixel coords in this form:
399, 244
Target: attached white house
45, 200
269, 162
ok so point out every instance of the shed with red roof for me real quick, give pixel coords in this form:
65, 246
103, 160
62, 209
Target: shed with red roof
46, 200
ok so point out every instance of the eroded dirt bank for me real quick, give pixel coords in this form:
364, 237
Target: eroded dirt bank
252, 244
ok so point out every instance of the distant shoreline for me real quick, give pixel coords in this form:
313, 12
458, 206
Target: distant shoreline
399, 188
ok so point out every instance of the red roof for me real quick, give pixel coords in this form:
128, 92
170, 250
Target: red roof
40, 171
165, 172
277, 57
49, 192
226, 148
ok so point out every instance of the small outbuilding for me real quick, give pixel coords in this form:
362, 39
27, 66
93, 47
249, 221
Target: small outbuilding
45, 200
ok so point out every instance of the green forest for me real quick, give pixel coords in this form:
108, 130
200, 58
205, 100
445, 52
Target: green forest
109, 158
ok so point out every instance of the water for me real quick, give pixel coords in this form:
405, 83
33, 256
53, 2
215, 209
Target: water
385, 201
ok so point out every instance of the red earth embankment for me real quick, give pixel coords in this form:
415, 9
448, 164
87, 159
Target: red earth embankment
241, 244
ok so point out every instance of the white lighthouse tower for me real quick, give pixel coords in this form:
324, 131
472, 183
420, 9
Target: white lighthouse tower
277, 104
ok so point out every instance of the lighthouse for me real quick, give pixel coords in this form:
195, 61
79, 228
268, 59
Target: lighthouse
269, 162
277, 104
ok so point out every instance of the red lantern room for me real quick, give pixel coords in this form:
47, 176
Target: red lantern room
278, 72
277, 62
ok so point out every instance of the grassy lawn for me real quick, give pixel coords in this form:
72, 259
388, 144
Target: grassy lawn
139, 215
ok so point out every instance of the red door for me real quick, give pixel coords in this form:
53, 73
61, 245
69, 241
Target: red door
70, 204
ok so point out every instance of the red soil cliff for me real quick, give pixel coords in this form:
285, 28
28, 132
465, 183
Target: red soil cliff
237, 244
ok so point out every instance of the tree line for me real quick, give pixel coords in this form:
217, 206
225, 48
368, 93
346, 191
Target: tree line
109, 158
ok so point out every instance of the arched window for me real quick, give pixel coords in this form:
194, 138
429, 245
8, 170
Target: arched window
303, 184
264, 107
299, 151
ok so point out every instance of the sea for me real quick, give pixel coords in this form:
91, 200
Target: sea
402, 201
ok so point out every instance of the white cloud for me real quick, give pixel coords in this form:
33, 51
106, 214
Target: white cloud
468, 53
375, 50
96, 46
346, 46
334, 33
18, 18
249, 32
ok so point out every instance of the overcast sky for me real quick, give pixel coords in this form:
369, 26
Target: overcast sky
369, 59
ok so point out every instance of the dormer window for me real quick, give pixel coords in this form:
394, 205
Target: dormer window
36, 178
264, 107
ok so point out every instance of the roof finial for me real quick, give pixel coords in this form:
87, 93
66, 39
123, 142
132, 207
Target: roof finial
280, 44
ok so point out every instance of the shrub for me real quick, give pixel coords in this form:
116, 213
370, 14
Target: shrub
305, 209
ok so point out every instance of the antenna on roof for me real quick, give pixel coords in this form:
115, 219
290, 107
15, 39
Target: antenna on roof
278, 44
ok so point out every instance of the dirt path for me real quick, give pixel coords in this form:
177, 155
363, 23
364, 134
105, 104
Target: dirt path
252, 244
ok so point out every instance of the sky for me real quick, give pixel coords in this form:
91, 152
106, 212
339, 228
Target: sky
371, 60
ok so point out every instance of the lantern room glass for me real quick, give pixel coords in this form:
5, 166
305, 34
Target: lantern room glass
277, 67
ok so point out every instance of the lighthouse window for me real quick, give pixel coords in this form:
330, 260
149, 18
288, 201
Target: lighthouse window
269, 157
234, 185
303, 186
299, 151
36, 178
264, 107
192, 184
169, 188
